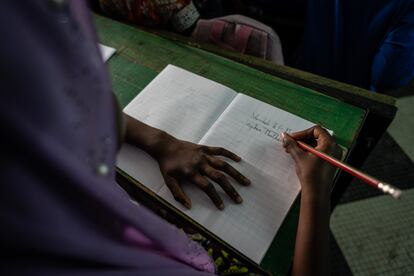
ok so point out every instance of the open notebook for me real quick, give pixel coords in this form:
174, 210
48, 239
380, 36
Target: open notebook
199, 110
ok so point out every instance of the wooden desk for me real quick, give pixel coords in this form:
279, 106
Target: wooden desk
141, 56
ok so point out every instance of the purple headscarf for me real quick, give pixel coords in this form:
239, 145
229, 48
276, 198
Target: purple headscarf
61, 210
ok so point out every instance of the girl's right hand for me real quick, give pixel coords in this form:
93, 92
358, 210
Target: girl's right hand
315, 174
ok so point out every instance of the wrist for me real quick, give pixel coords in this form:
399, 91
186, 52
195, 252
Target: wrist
145, 137
158, 144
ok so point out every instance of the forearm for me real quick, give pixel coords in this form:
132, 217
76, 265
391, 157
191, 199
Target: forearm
142, 135
312, 238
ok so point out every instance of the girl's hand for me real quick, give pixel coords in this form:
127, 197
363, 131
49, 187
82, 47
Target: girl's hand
180, 160
315, 175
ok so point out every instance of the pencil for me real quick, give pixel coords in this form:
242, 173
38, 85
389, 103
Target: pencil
383, 186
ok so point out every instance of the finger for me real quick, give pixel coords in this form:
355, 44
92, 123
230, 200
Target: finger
222, 165
224, 183
324, 141
209, 189
314, 132
303, 134
292, 148
177, 191
223, 152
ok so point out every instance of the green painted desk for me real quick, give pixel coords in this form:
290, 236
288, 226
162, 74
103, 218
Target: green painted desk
141, 56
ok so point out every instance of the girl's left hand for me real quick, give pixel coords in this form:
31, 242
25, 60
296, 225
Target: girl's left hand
180, 160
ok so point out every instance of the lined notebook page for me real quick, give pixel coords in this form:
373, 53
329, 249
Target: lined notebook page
180, 103
252, 129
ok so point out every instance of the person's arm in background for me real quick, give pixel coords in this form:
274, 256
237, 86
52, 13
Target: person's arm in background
315, 175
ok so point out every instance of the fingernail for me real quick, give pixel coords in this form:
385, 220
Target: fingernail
284, 141
239, 199
221, 206
186, 204
246, 181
